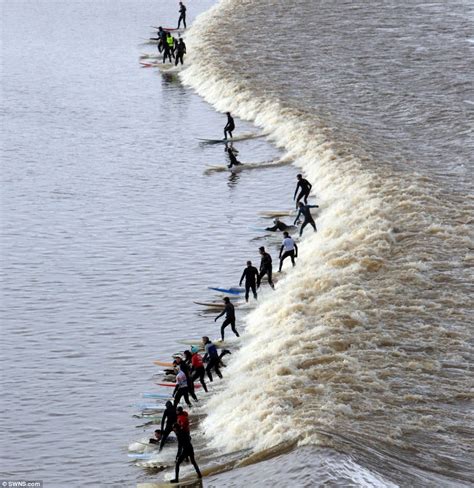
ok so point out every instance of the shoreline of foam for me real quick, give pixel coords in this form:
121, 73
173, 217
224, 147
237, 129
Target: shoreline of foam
355, 323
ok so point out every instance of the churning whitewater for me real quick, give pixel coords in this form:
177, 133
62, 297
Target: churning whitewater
364, 346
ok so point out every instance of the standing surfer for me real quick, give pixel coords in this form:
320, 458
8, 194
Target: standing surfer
182, 14
212, 358
185, 450
230, 126
305, 187
291, 250
304, 210
229, 312
265, 267
180, 51
167, 421
251, 276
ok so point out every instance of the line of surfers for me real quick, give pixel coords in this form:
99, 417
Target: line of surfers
170, 46
194, 367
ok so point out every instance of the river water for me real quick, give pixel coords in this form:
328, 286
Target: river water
111, 228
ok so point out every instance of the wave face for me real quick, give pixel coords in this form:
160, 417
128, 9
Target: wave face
364, 346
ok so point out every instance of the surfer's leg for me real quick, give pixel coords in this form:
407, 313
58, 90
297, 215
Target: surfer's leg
208, 370
190, 452
164, 435
191, 389
292, 256
247, 290
313, 225
234, 330
254, 290
176, 469
269, 274
224, 325
178, 396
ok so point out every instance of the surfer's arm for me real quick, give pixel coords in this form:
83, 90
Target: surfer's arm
242, 278
220, 315
296, 189
297, 217
296, 250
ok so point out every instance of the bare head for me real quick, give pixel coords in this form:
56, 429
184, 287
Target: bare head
299, 176
249, 263
226, 299
286, 234
261, 250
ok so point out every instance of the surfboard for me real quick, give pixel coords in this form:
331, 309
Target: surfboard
150, 406
161, 396
166, 484
271, 214
234, 290
211, 304
172, 385
240, 137
164, 363
198, 342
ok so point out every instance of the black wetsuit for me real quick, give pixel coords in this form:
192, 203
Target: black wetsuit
265, 269
161, 39
229, 312
251, 277
180, 52
230, 126
305, 186
278, 226
213, 360
169, 416
182, 16
308, 218
185, 450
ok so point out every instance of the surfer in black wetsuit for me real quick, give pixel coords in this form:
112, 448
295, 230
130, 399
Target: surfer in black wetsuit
182, 14
185, 450
251, 276
161, 38
180, 51
231, 155
230, 126
305, 187
265, 267
279, 226
229, 312
169, 417
304, 210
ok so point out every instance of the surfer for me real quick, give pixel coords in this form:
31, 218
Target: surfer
279, 225
185, 450
229, 312
182, 388
180, 51
161, 38
304, 210
157, 438
305, 187
194, 359
230, 126
184, 367
265, 267
182, 15
231, 155
291, 250
167, 48
169, 418
212, 358
182, 419
251, 276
